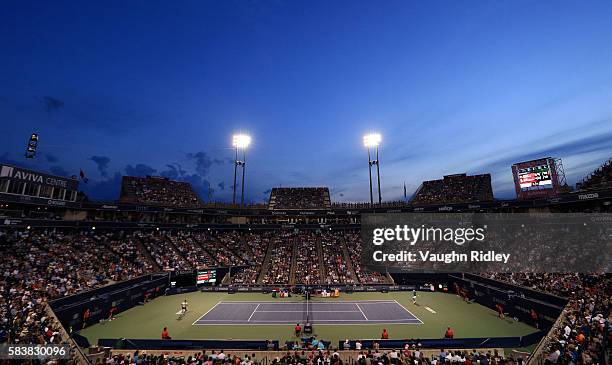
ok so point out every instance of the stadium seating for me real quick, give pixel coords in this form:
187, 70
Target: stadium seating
52, 263
310, 355
353, 243
459, 188
158, 191
299, 198
308, 266
581, 335
335, 260
601, 178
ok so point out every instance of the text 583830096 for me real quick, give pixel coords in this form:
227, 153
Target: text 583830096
18, 351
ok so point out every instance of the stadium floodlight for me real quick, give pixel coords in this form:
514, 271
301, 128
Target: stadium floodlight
370, 141
240, 141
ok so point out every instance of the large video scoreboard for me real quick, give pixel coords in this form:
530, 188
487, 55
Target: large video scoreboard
535, 179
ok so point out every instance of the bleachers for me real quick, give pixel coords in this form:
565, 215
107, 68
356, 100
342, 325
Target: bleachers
458, 188
158, 191
601, 178
299, 198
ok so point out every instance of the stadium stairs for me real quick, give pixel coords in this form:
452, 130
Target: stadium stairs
390, 279
177, 251
294, 256
266, 263
78, 357
347, 259
323, 270
204, 248
227, 279
147, 255
242, 243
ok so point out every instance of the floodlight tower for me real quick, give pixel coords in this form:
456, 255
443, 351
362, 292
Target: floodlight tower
240, 142
373, 141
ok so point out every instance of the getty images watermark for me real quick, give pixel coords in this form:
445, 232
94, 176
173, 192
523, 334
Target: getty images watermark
486, 242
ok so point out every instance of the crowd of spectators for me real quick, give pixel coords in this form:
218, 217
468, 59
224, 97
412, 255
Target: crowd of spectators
164, 253
200, 358
254, 248
364, 205
188, 244
333, 258
412, 354
581, 336
222, 247
458, 188
40, 266
313, 355
45, 265
158, 191
279, 266
353, 244
127, 246
300, 198
307, 265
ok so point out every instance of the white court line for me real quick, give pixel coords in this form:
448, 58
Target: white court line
254, 310
301, 302
319, 321
363, 314
430, 310
208, 311
362, 323
408, 311
414, 320
308, 311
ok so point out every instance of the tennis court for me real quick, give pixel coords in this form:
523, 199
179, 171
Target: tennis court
333, 313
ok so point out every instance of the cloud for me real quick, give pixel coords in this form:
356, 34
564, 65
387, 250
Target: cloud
102, 164
58, 170
174, 172
6, 158
596, 143
140, 170
53, 105
50, 158
203, 162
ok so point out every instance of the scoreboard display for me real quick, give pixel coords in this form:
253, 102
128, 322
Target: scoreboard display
206, 277
535, 177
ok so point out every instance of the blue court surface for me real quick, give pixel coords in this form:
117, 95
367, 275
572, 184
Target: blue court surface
333, 313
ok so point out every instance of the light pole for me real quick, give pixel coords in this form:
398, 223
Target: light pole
240, 141
235, 172
373, 141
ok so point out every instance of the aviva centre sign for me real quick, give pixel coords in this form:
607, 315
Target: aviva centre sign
19, 174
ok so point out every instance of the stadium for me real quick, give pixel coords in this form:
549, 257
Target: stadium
107, 279
248, 182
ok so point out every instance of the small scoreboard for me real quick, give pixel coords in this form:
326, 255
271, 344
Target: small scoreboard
535, 179
206, 277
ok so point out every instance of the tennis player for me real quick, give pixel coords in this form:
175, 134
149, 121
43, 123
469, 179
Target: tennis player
184, 307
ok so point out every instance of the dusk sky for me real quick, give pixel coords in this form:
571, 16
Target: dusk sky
158, 88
